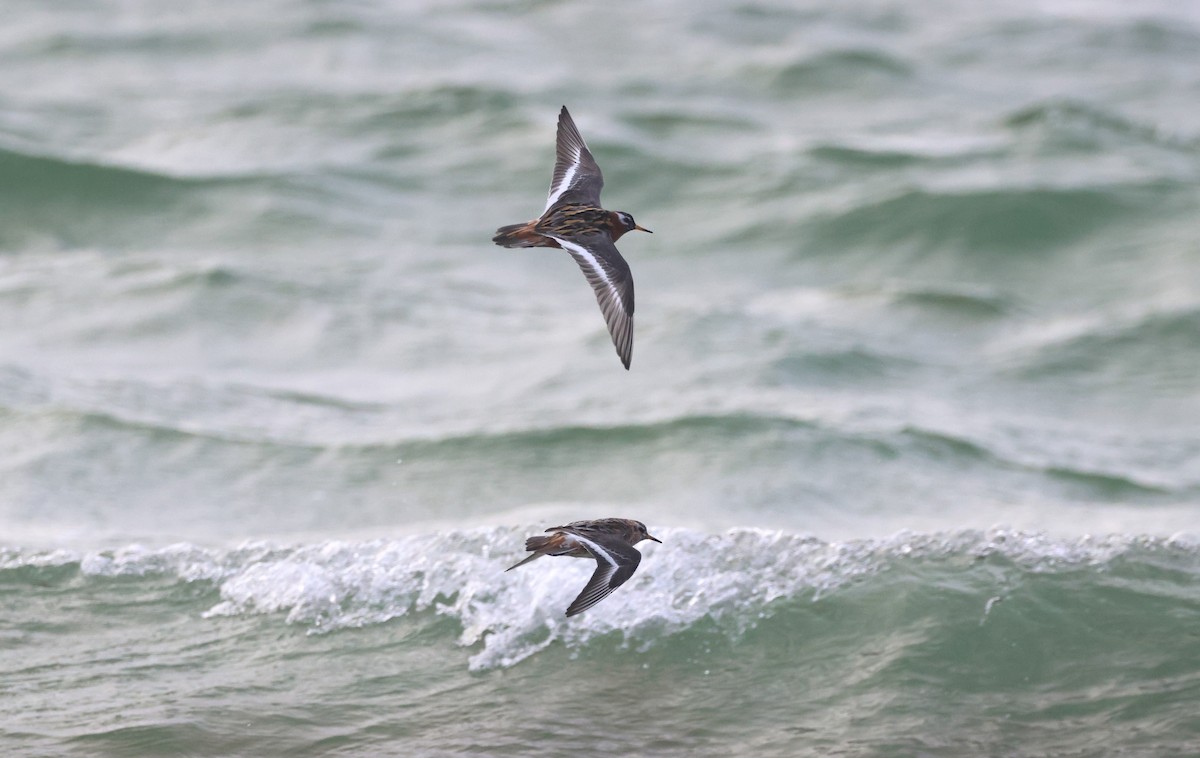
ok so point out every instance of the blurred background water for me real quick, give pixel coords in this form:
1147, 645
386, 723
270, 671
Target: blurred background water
913, 402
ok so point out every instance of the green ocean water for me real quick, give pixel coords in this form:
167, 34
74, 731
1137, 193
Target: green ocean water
913, 402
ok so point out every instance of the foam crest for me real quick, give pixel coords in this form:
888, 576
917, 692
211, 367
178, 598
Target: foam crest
732, 580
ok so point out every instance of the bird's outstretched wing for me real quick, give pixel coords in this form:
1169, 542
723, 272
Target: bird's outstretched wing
615, 563
577, 178
609, 275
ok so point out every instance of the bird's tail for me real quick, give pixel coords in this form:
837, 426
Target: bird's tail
519, 235
529, 558
535, 544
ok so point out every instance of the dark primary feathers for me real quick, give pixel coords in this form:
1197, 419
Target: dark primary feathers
611, 280
615, 563
577, 178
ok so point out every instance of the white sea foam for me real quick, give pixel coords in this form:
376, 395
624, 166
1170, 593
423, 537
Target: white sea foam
730, 578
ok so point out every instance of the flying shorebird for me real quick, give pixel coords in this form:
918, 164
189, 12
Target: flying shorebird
610, 541
574, 221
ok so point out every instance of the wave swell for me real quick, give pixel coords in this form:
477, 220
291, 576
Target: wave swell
730, 582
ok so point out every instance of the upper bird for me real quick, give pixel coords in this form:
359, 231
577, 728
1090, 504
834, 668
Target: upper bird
574, 221
610, 541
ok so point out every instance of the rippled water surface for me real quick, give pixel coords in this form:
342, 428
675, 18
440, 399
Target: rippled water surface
913, 403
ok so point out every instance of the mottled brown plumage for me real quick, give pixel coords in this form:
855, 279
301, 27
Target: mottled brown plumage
610, 541
574, 221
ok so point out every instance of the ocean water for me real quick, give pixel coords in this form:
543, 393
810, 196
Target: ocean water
914, 402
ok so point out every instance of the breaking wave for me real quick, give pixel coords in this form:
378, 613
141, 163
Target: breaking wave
694, 583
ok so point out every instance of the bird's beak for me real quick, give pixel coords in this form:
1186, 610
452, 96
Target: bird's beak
656, 539
647, 231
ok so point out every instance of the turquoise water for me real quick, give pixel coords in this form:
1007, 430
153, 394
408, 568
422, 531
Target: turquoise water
913, 402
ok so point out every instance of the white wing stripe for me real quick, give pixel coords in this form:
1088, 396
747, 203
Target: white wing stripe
565, 184
590, 257
597, 550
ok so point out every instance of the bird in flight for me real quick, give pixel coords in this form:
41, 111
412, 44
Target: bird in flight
574, 221
610, 541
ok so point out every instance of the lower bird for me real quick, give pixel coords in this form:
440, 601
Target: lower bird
574, 221
610, 541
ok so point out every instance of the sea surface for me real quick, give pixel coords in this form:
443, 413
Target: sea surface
914, 403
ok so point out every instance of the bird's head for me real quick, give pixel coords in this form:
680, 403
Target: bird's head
622, 222
640, 533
